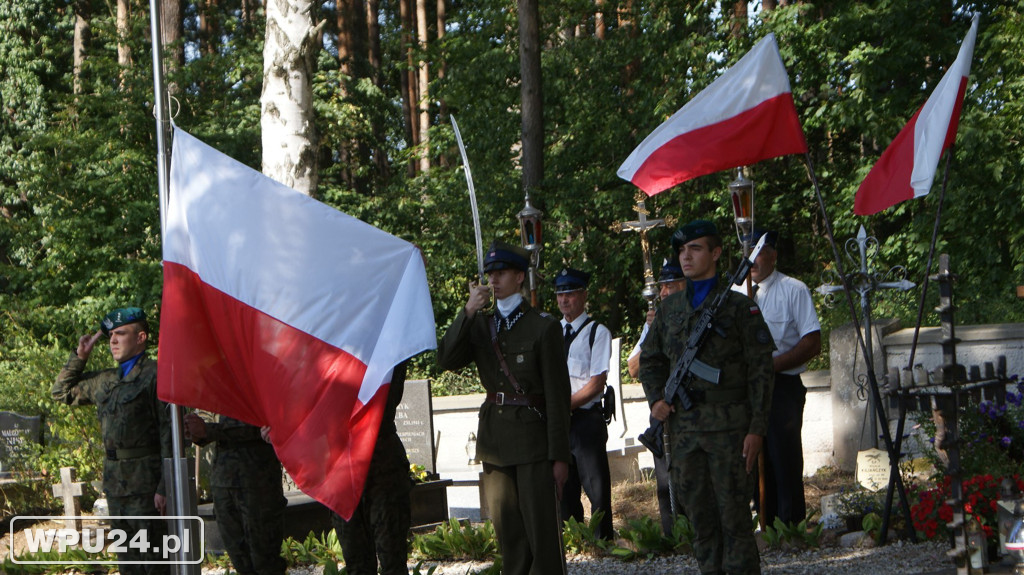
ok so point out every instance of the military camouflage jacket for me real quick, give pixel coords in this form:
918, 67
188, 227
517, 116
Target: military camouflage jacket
742, 350
534, 352
135, 423
240, 450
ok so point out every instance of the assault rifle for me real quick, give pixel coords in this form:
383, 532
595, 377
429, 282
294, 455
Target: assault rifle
688, 365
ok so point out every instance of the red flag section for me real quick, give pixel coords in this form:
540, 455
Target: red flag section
907, 167
278, 310
745, 116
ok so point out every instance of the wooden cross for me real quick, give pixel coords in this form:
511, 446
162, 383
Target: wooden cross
68, 490
642, 225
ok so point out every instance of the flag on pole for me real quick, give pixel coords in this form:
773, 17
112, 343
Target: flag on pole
745, 116
279, 310
907, 167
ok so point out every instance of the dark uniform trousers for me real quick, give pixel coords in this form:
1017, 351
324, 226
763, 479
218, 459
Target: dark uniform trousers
153, 525
784, 456
518, 443
588, 441
662, 477
522, 501
378, 530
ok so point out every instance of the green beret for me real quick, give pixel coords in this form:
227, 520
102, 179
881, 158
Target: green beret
121, 316
691, 231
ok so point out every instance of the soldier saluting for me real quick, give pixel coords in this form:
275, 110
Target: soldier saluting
523, 434
714, 443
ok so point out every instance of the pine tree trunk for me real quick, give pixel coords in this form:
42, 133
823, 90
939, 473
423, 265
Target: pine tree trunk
286, 117
124, 53
423, 103
531, 105
408, 84
171, 29
83, 12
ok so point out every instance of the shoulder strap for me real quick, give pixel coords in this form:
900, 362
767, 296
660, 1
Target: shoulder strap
572, 337
593, 333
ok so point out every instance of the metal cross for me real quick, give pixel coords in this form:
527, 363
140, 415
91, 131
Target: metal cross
862, 251
642, 225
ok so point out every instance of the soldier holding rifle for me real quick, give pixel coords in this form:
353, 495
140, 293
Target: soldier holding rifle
718, 415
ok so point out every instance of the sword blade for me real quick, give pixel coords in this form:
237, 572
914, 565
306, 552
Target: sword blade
472, 203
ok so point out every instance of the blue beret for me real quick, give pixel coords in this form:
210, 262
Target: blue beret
121, 316
571, 280
691, 231
501, 256
670, 272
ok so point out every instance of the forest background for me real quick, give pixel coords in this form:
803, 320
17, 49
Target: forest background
79, 222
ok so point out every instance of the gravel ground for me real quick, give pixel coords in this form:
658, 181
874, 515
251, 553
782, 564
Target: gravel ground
895, 558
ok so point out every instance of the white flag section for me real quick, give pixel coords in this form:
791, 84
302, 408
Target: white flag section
279, 310
907, 167
745, 116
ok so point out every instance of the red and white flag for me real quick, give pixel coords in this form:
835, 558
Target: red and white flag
907, 167
745, 116
279, 310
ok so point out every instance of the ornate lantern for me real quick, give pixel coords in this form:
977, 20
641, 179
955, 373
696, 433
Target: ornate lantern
742, 191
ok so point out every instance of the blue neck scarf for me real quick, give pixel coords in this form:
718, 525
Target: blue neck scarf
127, 365
701, 289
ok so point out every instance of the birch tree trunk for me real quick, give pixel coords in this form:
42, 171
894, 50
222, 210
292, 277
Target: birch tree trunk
124, 53
286, 117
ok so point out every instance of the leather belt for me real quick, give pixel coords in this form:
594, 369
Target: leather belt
501, 398
718, 396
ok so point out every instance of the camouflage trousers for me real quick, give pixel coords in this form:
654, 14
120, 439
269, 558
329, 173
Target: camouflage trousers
379, 526
251, 523
155, 528
709, 473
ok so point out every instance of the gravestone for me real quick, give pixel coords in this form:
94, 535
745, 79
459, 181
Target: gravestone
873, 469
414, 419
67, 490
19, 435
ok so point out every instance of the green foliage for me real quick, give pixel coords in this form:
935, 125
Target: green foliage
323, 550
792, 535
453, 540
871, 525
645, 539
79, 225
582, 537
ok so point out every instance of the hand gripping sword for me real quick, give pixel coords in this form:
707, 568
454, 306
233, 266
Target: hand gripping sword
472, 204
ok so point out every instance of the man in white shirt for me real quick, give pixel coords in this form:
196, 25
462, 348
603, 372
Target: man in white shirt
588, 351
788, 309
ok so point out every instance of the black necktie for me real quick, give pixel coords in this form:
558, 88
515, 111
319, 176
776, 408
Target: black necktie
753, 292
568, 338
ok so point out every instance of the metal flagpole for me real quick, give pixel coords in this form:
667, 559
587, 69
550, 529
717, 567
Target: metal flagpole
872, 381
181, 494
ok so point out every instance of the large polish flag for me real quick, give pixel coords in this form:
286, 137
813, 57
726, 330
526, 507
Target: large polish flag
745, 116
279, 310
907, 167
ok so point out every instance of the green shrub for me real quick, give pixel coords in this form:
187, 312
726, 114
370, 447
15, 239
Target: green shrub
453, 540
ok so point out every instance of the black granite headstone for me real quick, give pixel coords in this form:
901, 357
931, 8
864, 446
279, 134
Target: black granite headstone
18, 436
415, 423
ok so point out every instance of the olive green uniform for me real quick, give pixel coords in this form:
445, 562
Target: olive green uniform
136, 436
518, 443
378, 530
707, 465
248, 496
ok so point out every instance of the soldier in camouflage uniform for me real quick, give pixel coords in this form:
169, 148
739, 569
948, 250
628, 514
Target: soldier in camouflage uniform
248, 495
135, 426
378, 530
714, 445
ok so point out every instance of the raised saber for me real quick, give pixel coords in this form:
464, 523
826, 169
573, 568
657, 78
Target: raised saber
472, 203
